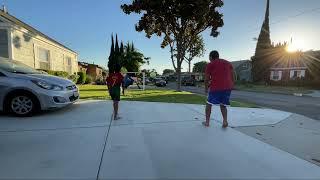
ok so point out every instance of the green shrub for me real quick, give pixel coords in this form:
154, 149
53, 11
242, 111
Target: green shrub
88, 80
50, 72
73, 78
55, 73
82, 78
100, 81
61, 74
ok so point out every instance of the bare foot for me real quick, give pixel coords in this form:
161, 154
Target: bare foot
205, 124
225, 124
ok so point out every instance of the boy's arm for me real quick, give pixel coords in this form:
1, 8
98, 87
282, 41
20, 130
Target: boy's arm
107, 82
206, 80
233, 74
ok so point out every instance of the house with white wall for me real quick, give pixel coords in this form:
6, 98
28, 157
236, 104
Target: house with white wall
21, 42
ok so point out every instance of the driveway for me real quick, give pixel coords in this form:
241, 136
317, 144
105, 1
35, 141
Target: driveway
307, 106
153, 140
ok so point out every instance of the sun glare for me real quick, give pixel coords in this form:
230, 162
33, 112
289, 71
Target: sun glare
295, 46
291, 48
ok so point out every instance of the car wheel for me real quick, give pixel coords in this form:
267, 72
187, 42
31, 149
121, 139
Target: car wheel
22, 105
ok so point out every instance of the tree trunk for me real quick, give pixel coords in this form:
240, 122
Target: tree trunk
179, 77
189, 62
180, 59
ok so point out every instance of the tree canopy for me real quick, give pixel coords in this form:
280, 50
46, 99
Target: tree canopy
200, 67
132, 59
168, 71
127, 57
179, 22
196, 49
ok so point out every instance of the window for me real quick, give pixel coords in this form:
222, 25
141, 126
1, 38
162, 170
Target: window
44, 58
276, 75
245, 65
69, 65
4, 50
294, 74
43, 54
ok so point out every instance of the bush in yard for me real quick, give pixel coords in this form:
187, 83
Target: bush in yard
82, 78
51, 72
88, 80
73, 78
61, 74
100, 81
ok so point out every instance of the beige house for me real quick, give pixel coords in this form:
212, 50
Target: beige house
19, 41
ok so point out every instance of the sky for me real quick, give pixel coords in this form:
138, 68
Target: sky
86, 27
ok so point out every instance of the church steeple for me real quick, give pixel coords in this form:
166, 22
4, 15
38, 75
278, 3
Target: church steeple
264, 41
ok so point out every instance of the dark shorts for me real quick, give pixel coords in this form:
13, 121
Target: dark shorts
219, 97
115, 93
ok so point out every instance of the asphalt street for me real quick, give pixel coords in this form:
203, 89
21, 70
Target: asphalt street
307, 106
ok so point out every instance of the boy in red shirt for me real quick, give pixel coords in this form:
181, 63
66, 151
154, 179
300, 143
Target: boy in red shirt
114, 82
219, 79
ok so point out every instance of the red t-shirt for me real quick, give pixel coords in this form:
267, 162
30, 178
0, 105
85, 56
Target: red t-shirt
114, 79
220, 72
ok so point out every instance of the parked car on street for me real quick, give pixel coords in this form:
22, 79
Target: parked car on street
25, 91
188, 81
160, 82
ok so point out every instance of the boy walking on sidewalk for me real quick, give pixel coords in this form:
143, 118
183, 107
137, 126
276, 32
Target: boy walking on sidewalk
114, 82
219, 79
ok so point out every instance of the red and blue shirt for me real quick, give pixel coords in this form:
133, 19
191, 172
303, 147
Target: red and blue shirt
114, 79
220, 72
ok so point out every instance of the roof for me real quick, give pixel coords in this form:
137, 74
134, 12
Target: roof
29, 28
89, 64
236, 64
289, 64
82, 63
300, 60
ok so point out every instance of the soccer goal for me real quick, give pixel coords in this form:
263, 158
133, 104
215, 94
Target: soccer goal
138, 80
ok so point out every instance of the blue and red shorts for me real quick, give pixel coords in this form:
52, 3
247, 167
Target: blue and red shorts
219, 97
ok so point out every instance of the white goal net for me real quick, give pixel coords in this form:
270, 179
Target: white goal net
137, 79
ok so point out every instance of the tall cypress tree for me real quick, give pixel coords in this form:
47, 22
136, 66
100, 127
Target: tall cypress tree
122, 54
111, 56
261, 61
115, 58
117, 49
121, 48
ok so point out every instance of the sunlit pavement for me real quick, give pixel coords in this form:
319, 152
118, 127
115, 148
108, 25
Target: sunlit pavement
152, 140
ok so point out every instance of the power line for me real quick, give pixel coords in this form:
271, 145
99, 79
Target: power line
297, 15
291, 17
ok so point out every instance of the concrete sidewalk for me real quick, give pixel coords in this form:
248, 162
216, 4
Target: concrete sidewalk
153, 140
315, 94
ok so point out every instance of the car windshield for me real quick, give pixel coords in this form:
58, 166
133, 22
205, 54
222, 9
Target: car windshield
17, 67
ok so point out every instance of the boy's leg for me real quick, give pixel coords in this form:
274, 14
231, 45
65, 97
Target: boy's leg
116, 108
224, 112
208, 114
225, 96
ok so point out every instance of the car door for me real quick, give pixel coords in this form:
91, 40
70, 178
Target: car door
4, 86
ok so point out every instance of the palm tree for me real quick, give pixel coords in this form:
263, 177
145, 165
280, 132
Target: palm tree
132, 59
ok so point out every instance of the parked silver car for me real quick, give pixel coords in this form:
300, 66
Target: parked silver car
24, 91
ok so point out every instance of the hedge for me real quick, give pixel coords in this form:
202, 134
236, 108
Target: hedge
82, 78
63, 74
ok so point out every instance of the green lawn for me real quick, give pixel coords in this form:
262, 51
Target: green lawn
269, 89
273, 89
150, 95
